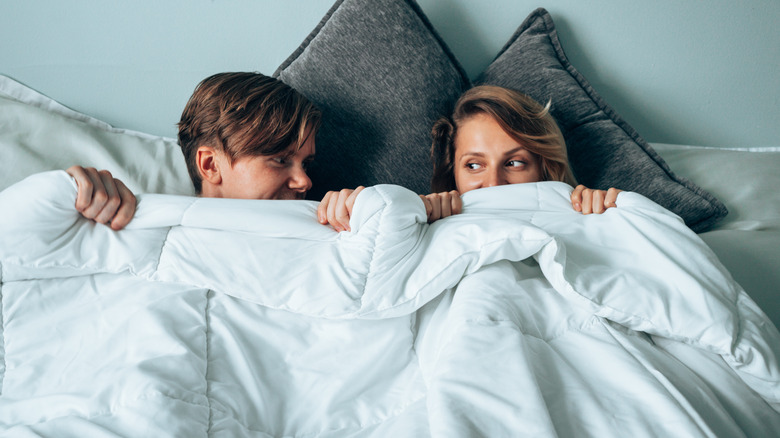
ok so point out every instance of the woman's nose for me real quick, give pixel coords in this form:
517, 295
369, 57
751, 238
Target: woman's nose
493, 178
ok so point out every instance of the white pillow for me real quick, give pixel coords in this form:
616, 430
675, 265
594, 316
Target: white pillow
746, 180
747, 240
38, 134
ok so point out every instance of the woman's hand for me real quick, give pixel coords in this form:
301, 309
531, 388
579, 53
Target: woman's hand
441, 205
103, 198
336, 208
589, 201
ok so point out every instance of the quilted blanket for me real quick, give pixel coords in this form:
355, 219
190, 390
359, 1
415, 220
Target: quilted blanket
519, 317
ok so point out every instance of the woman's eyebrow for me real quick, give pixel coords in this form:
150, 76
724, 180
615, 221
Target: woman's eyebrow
516, 150
473, 154
482, 154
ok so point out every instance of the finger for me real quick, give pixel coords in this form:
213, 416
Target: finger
342, 213
331, 212
351, 199
126, 209
576, 197
611, 199
85, 187
435, 207
587, 199
112, 202
456, 204
446, 204
598, 201
98, 196
322, 209
427, 204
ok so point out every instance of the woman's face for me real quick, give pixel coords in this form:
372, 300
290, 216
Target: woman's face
486, 156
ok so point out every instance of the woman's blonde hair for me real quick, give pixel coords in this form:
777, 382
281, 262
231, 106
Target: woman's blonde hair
521, 117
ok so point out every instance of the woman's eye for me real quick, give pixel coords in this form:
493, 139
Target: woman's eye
473, 166
515, 163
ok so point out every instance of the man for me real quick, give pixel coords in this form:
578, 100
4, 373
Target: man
243, 135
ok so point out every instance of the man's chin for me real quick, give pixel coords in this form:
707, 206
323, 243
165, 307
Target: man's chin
290, 196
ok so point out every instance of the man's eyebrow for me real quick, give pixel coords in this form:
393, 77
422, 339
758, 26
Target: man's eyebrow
283, 154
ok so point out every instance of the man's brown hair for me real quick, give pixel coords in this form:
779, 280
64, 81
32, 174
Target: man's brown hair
244, 114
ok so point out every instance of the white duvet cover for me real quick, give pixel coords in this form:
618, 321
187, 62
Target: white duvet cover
520, 317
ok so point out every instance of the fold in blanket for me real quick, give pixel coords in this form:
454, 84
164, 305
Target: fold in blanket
519, 316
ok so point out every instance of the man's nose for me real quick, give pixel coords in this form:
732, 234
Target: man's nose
300, 181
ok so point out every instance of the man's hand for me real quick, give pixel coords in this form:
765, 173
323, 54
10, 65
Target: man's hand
103, 198
336, 208
589, 201
441, 205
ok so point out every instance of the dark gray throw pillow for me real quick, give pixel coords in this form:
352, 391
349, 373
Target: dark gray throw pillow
382, 76
604, 150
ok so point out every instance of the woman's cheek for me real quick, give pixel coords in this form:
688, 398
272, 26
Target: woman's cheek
467, 184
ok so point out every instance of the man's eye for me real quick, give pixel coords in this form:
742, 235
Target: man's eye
280, 160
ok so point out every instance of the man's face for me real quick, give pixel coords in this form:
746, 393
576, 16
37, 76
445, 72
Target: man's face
281, 176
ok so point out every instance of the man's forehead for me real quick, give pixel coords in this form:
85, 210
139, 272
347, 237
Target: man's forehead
308, 148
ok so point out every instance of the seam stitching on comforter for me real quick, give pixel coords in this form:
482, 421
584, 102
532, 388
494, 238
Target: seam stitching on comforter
3, 364
113, 409
162, 247
207, 321
373, 246
590, 324
360, 427
740, 328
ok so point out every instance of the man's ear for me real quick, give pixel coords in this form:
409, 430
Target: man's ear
208, 165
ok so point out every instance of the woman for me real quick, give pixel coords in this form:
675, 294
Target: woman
495, 136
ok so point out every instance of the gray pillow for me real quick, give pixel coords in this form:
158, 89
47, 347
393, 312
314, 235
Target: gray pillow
604, 150
382, 76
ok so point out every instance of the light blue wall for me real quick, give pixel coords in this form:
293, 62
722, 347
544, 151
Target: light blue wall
690, 72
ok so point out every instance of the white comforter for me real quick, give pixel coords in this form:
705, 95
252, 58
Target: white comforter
520, 317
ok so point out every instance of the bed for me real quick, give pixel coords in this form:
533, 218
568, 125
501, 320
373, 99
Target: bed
519, 317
